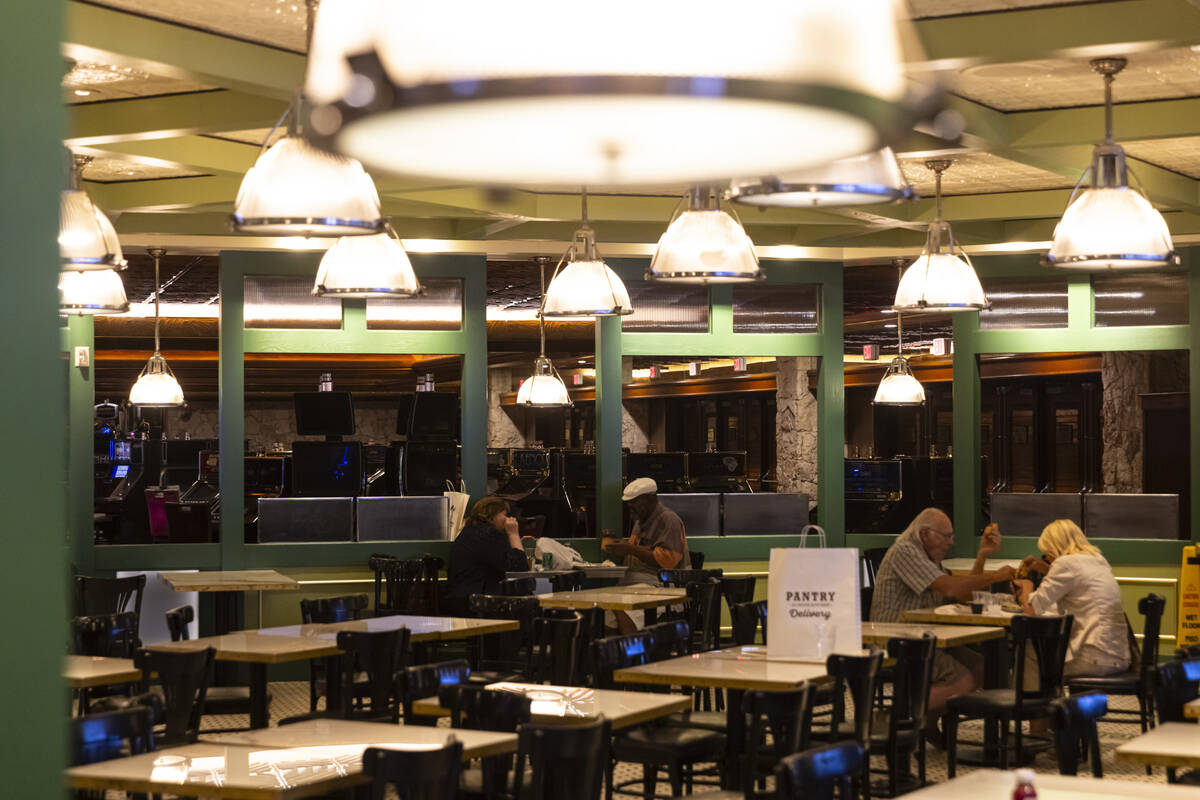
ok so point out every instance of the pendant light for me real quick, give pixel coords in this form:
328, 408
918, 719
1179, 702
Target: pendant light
586, 286
899, 386
86, 237
294, 189
156, 386
545, 387
96, 291
704, 245
939, 280
1110, 225
366, 267
543, 94
873, 177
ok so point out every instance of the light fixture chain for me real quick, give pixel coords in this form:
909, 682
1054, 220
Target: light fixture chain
541, 310
158, 253
1108, 108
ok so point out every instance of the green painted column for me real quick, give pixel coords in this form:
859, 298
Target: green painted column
1191, 263
608, 424
474, 378
968, 513
81, 399
231, 425
831, 413
33, 405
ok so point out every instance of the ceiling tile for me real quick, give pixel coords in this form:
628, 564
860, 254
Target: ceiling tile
88, 82
280, 23
980, 173
1178, 155
115, 170
1063, 83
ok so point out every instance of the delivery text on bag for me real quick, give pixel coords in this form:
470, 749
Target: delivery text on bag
797, 602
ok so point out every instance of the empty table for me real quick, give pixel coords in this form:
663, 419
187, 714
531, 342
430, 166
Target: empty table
319, 640
317, 757
228, 586
991, 784
618, 598
567, 704
82, 672
1171, 744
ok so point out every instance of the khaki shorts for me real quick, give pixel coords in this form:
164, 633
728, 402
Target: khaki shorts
952, 664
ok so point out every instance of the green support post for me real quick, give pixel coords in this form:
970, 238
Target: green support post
608, 425
81, 402
474, 428
968, 513
231, 419
33, 405
831, 412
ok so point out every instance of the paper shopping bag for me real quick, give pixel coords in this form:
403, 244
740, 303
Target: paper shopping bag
457, 511
810, 591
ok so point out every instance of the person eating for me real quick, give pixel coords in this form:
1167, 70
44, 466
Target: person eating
488, 546
911, 577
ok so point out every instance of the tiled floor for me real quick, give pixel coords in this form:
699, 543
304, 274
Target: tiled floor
291, 698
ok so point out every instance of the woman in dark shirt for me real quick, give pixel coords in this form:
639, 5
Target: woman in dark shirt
487, 547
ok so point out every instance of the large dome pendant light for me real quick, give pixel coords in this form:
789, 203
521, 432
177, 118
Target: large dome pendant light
585, 286
522, 100
899, 386
294, 189
704, 245
89, 252
939, 280
156, 386
1110, 225
864, 179
545, 387
367, 267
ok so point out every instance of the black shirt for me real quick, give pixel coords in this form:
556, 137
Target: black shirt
479, 557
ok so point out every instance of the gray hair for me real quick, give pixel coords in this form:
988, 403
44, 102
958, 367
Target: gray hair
924, 520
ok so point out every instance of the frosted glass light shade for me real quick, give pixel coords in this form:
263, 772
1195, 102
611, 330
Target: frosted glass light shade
91, 292
294, 189
543, 388
156, 385
522, 99
873, 177
586, 289
899, 386
366, 266
705, 246
940, 282
1111, 228
86, 237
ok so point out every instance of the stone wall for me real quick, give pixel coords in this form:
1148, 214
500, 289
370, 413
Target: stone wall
1124, 376
504, 424
635, 425
796, 427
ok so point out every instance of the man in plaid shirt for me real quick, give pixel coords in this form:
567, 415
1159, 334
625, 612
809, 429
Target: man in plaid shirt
911, 576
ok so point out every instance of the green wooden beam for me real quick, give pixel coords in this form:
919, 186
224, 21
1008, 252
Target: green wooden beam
608, 425
165, 194
197, 153
81, 401
831, 408
1033, 33
33, 744
170, 116
96, 33
1132, 121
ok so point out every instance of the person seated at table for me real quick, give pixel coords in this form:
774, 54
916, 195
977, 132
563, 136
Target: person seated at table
912, 577
1078, 580
488, 546
658, 541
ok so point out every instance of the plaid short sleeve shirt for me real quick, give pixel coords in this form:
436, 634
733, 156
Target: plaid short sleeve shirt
904, 580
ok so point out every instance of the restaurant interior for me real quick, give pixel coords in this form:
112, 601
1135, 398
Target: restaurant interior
333, 272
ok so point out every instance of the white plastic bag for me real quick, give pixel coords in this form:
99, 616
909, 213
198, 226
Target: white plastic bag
561, 556
457, 511
817, 530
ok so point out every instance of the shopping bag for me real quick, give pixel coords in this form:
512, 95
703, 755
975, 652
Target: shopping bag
561, 556
813, 603
457, 511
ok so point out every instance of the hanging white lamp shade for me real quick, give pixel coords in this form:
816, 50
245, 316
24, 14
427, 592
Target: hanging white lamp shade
1110, 225
541, 95
156, 385
86, 237
704, 245
91, 292
294, 189
585, 286
899, 386
367, 266
544, 388
873, 177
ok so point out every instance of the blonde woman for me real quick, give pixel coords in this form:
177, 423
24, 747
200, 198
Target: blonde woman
1079, 581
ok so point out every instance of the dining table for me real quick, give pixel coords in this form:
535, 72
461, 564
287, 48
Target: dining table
1191, 709
1169, 744
287, 643
227, 587
636, 597
83, 672
579, 705
994, 784
315, 757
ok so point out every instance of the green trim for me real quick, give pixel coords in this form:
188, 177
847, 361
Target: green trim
80, 459
609, 425
831, 411
159, 556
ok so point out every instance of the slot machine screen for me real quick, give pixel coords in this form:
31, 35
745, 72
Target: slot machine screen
434, 416
122, 451
324, 413
120, 471
327, 469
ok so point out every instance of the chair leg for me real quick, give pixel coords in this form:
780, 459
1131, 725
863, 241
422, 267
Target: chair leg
676, 778
649, 781
921, 762
893, 759
950, 725
1019, 736
1004, 733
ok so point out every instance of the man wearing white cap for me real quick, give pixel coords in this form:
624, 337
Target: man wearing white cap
658, 541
